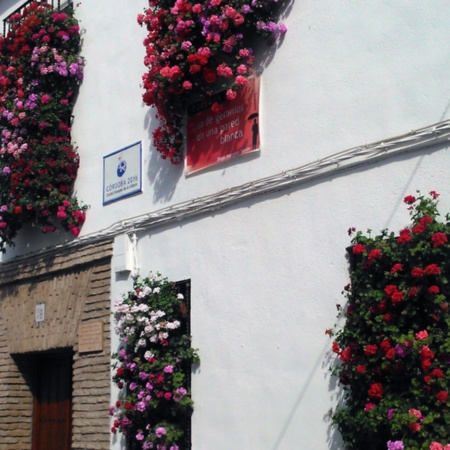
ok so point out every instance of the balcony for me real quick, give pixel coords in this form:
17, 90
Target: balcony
58, 5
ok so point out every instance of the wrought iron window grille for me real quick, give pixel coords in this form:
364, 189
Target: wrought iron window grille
57, 5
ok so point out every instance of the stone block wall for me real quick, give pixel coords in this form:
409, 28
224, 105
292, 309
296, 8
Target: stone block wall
74, 284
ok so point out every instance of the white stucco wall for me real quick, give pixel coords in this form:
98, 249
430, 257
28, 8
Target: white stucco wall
266, 273
347, 74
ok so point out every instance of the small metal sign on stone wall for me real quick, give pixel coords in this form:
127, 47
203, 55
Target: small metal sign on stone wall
40, 313
90, 337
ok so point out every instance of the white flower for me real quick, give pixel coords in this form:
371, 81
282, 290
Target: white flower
143, 307
180, 297
153, 277
156, 290
145, 291
123, 308
130, 318
173, 325
142, 343
148, 354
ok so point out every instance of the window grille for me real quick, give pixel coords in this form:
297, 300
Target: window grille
55, 4
184, 287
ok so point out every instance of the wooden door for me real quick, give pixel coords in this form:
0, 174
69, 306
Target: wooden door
52, 418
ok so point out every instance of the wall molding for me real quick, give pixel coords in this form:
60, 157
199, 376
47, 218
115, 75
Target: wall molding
361, 155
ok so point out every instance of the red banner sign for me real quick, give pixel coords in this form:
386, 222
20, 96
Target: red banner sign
213, 138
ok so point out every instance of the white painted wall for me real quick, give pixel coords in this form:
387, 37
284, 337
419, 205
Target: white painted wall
266, 273
347, 73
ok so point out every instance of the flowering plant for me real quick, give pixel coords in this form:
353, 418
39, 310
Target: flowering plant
393, 353
40, 72
152, 367
196, 49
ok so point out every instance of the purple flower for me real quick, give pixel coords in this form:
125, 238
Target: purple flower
390, 413
273, 28
168, 369
395, 445
73, 68
126, 421
400, 351
140, 436
140, 406
132, 386
160, 432
179, 394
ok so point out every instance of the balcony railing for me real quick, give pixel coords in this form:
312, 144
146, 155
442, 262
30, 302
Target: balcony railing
55, 4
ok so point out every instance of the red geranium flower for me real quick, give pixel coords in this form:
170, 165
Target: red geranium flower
433, 289
390, 353
370, 349
397, 297
376, 253
426, 220
346, 354
405, 236
358, 248
413, 291
439, 239
437, 373
376, 390
385, 345
409, 199
417, 272
414, 427
396, 268
390, 289
442, 396
432, 269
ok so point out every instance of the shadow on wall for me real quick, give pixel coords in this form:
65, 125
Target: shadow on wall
162, 175
333, 437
